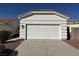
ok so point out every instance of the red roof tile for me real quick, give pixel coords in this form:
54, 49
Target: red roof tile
7, 20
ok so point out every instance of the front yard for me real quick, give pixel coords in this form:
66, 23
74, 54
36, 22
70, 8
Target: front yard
74, 43
10, 46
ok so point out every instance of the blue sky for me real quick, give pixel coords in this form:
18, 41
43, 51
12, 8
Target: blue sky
12, 10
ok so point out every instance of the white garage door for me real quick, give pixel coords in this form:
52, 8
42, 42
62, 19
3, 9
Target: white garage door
43, 32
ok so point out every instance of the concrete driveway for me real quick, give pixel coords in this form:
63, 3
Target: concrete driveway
46, 48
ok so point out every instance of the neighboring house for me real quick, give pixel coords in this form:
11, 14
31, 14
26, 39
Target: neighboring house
73, 29
9, 24
43, 24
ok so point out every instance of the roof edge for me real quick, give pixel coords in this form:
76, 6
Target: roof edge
32, 12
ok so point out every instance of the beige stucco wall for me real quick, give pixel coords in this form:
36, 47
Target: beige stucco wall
75, 34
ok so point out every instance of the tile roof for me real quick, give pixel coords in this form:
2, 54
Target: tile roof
41, 11
7, 20
73, 21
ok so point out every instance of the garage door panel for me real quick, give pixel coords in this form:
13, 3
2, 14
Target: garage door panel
43, 32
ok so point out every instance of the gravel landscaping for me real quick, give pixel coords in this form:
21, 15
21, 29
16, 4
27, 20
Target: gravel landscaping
74, 43
10, 46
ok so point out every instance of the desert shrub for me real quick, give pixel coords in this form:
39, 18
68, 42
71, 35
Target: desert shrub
4, 35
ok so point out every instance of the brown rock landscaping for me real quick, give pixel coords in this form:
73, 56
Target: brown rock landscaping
10, 46
74, 43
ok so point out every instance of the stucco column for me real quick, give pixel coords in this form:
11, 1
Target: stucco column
22, 31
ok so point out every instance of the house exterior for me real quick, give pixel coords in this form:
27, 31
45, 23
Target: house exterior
9, 24
43, 24
74, 29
